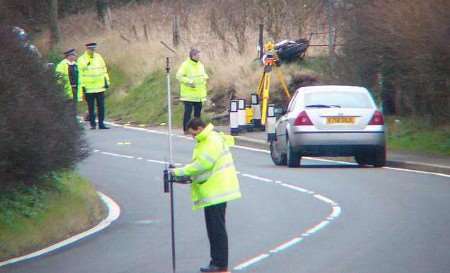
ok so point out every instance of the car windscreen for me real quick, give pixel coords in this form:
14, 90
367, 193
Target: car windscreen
338, 99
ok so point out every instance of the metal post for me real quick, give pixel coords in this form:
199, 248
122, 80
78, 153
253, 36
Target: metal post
169, 108
261, 41
172, 212
172, 220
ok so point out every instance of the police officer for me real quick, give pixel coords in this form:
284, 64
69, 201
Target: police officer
214, 183
94, 81
67, 73
192, 77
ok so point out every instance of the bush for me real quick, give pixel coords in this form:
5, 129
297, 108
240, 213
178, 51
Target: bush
400, 50
39, 132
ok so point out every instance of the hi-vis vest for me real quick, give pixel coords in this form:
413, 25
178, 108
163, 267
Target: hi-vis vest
62, 72
214, 178
191, 72
93, 73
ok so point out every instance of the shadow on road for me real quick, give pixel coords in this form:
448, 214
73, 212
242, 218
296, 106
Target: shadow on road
333, 167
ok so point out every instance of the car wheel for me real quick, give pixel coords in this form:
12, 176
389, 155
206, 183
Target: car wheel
292, 158
379, 157
361, 159
278, 158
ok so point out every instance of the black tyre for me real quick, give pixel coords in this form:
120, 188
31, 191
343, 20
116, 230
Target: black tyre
278, 158
292, 158
361, 159
379, 157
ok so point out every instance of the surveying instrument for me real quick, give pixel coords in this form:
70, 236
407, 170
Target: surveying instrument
271, 63
168, 178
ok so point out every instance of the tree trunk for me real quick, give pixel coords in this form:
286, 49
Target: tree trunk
104, 12
53, 23
331, 33
176, 31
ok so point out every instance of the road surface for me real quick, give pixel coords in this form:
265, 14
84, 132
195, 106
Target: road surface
326, 217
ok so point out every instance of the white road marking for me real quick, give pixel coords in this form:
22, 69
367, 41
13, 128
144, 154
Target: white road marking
113, 214
335, 212
267, 152
416, 171
147, 222
296, 188
316, 228
251, 261
118, 155
157, 161
286, 245
324, 199
257, 177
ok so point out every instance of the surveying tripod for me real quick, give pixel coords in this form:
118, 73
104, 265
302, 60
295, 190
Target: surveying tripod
271, 62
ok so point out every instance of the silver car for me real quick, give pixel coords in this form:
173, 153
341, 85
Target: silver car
330, 121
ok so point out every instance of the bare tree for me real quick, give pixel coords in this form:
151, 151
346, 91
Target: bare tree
53, 22
104, 12
406, 42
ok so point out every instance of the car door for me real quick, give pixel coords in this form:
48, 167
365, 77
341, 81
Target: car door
281, 126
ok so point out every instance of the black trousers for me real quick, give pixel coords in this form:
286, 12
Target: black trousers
99, 99
188, 105
217, 234
75, 97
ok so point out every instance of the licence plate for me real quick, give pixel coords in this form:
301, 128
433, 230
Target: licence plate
342, 120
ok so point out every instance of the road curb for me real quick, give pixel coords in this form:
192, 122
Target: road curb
113, 214
418, 166
425, 167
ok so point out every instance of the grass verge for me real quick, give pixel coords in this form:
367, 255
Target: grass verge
145, 103
34, 217
417, 135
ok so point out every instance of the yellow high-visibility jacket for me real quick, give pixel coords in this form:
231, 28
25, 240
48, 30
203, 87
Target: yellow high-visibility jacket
214, 177
191, 72
62, 72
93, 73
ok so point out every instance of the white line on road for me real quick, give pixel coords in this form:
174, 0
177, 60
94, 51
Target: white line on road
335, 212
286, 245
267, 152
157, 161
251, 261
316, 228
118, 155
324, 199
257, 177
416, 171
292, 187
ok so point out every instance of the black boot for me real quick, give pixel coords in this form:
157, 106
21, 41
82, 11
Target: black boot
213, 268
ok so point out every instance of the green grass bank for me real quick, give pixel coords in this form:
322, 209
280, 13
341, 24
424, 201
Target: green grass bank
32, 217
417, 135
145, 103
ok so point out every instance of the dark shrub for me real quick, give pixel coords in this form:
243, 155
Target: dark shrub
39, 132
